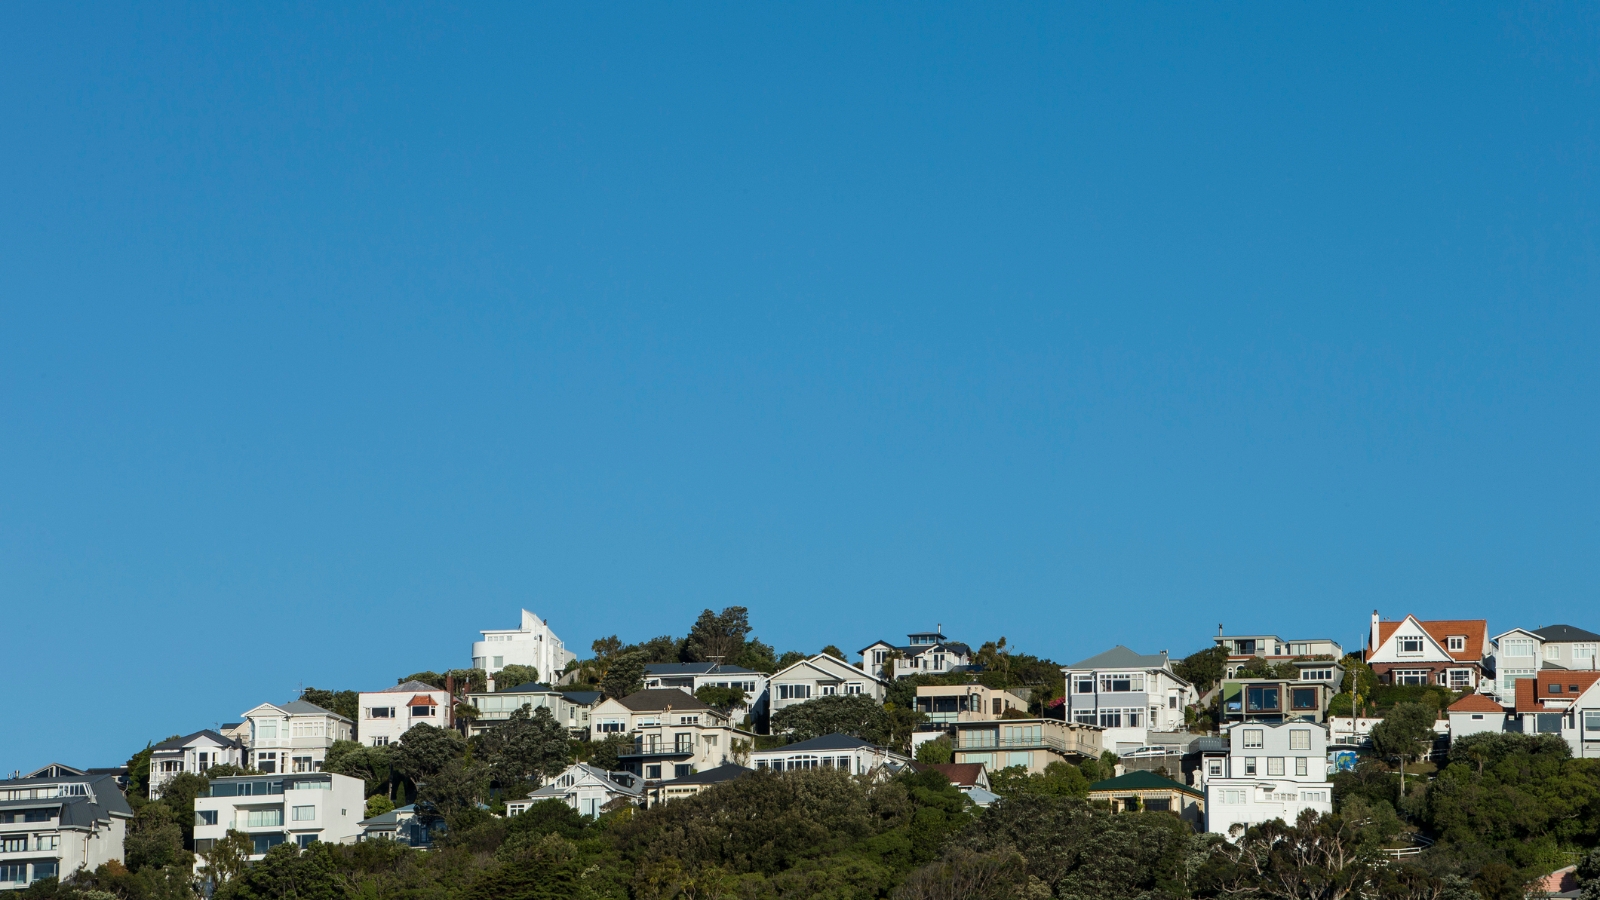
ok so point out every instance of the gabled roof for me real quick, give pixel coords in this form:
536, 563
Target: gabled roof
725, 772
1474, 630
551, 789
696, 669
302, 708
960, 774
55, 770
1563, 633
816, 662
79, 811
1120, 657
661, 698
422, 700
1142, 781
1533, 693
186, 740
408, 687
826, 742
1476, 703
582, 698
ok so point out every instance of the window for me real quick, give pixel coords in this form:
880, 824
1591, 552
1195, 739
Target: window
853, 688
680, 771
309, 729
1232, 797
1316, 674
1083, 684
688, 720
305, 840
1314, 796
1253, 738
36, 815
1555, 688
305, 813
1245, 648
261, 818
303, 764
1582, 651
1249, 765
1410, 646
1410, 676
877, 657
1457, 643
1548, 723
1275, 765
381, 740
45, 869
1024, 760
652, 772
683, 743
1299, 739
1591, 721
1172, 702
1460, 678
265, 842
1303, 699
14, 873
829, 690
14, 843
1521, 647
172, 765
1084, 716
381, 712
1121, 683
1552, 651
422, 712
1214, 768
710, 739
267, 730
205, 817
610, 726
500, 662
938, 660
1110, 718
1301, 767
1262, 698
794, 692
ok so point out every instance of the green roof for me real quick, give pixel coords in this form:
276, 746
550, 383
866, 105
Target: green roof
1142, 781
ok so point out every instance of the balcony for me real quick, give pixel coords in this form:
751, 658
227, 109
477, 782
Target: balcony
659, 748
985, 740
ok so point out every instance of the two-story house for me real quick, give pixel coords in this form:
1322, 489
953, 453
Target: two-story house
1128, 695
1448, 652
1561, 702
674, 734
1276, 699
294, 736
391, 712
691, 677
1522, 653
193, 753
924, 653
271, 810
51, 827
946, 704
822, 676
1032, 744
1242, 648
531, 644
570, 708
585, 788
832, 751
1271, 772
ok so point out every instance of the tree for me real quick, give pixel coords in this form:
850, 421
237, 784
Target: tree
789, 658
1203, 669
286, 872
717, 636
515, 676
886, 672
455, 790
1059, 779
377, 805
606, 754
720, 698
1406, 734
756, 656
228, 857
935, 752
854, 714
625, 675
370, 764
424, 751
433, 678
525, 748
833, 651
1316, 858
965, 875
345, 703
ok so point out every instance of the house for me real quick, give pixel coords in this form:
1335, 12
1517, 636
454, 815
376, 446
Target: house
945, 704
191, 753
1149, 792
690, 785
585, 788
301, 808
1475, 714
533, 644
1448, 652
1561, 702
403, 825
570, 708
674, 734
1276, 700
51, 827
832, 751
1243, 648
971, 779
1128, 695
691, 677
924, 653
1029, 743
1566, 647
293, 737
822, 676
1516, 656
1273, 771
391, 712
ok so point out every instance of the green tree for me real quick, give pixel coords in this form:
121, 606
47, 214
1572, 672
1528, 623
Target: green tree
525, 748
833, 651
455, 791
757, 657
606, 753
1059, 779
424, 751
433, 678
1316, 858
717, 636
345, 703
789, 658
935, 752
377, 805
286, 872
227, 858
720, 698
370, 764
1406, 733
965, 875
625, 675
514, 676
854, 714
1204, 668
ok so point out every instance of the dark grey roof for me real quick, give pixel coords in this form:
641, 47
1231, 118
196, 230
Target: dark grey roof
78, 812
406, 686
55, 770
391, 818
1208, 744
1120, 657
826, 742
919, 649
177, 743
661, 698
532, 687
1560, 633
695, 669
725, 772
303, 708
582, 698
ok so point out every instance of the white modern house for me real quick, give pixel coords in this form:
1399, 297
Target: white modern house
271, 810
194, 753
570, 708
691, 677
822, 676
52, 827
1128, 695
391, 712
533, 644
293, 737
585, 788
1271, 772
832, 751
924, 653
1242, 648
673, 733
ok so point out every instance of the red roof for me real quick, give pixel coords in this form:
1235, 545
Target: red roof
1476, 632
1533, 692
1476, 703
962, 774
422, 700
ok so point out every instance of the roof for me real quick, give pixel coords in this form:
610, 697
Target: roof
1120, 657
826, 742
1474, 630
392, 817
582, 698
696, 669
302, 708
1142, 781
1476, 703
79, 812
1561, 633
1532, 693
725, 772
918, 649
405, 686
964, 774
531, 687
186, 740
55, 770
551, 789
422, 700
661, 698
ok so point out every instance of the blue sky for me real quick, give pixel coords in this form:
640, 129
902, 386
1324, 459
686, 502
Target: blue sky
329, 337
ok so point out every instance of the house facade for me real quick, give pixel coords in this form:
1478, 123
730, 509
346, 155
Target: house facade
271, 810
1516, 656
1448, 652
293, 737
1149, 792
1127, 695
1475, 714
1276, 700
1271, 772
947, 704
1566, 647
531, 644
570, 708
585, 788
52, 827
391, 712
689, 785
673, 733
691, 677
832, 751
924, 653
1030, 743
1564, 703
822, 676
193, 753
1243, 648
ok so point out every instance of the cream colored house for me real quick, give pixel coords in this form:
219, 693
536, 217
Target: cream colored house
1029, 743
946, 704
673, 733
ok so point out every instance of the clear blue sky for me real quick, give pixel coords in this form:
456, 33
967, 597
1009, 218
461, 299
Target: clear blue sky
329, 337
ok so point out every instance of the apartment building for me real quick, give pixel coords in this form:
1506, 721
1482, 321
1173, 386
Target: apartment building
530, 644
293, 737
1272, 771
1127, 695
391, 712
51, 827
297, 808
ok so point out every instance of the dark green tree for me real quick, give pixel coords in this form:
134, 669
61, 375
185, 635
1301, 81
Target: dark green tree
717, 636
1204, 668
936, 752
1406, 733
625, 675
854, 714
287, 872
455, 791
606, 754
722, 698
345, 703
370, 764
524, 750
424, 751
833, 651
515, 676
433, 678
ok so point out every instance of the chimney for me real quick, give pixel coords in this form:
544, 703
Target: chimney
1372, 639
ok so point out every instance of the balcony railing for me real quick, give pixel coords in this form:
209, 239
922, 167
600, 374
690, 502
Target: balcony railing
987, 741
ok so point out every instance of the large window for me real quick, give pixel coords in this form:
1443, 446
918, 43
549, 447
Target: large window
1548, 723
305, 813
1460, 678
1552, 651
267, 730
1083, 716
205, 817
1303, 699
1582, 652
794, 692
1519, 647
14, 843
1083, 684
1122, 683
261, 818
1410, 646
1262, 698
310, 729
13, 873
380, 712
1410, 676
265, 842
1591, 722
1253, 738
423, 712
1299, 739
1275, 765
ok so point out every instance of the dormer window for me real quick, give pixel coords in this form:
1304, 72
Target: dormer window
1457, 643
1410, 646
1555, 688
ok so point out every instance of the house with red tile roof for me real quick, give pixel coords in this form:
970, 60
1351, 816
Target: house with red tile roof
1563, 703
1448, 652
1475, 714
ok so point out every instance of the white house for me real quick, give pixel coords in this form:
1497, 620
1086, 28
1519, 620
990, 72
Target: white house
271, 810
194, 753
822, 676
691, 677
585, 788
1449, 652
1475, 714
1566, 647
52, 827
1128, 695
1271, 772
1562, 702
570, 708
404, 825
1242, 648
533, 644
674, 734
293, 737
924, 653
390, 713
832, 751
1522, 653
